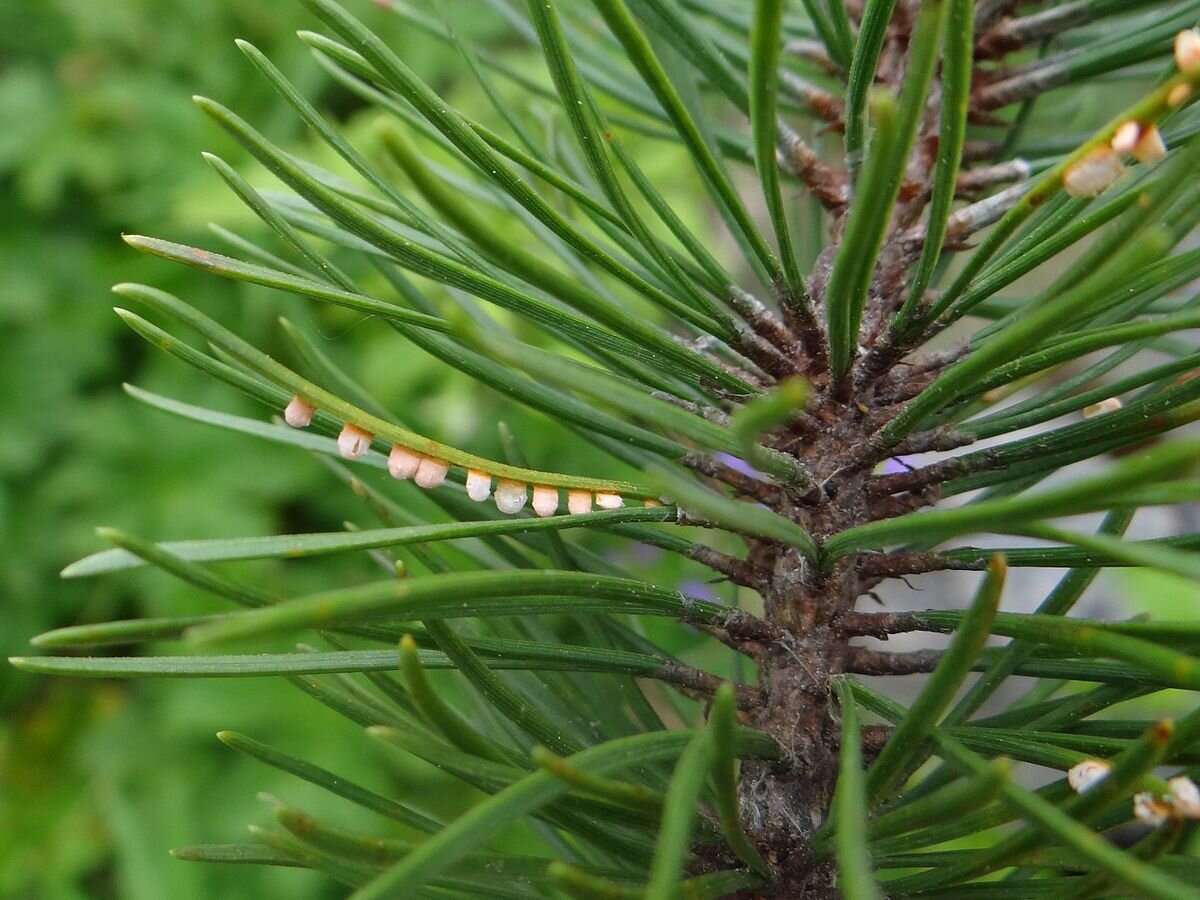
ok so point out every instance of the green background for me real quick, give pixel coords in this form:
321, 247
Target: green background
99, 779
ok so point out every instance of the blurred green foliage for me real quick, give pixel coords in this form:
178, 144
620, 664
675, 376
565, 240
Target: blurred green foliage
98, 780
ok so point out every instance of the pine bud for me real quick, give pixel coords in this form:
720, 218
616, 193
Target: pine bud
1112, 404
510, 496
1084, 776
1150, 146
403, 463
1179, 95
299, 413
1092, 174
431, 472
1150, 811
479, 485
1187, 50
353, 442
579, 502
545, 500
1185, 796
1126, 138
609, 501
